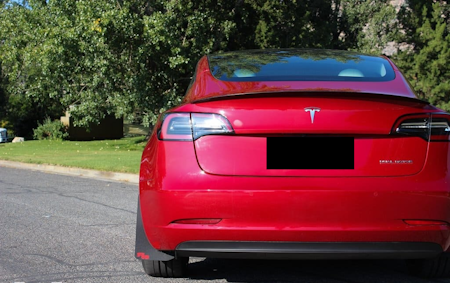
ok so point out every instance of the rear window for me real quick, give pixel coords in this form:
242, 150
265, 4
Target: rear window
299, 65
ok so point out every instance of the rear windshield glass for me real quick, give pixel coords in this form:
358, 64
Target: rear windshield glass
299, 65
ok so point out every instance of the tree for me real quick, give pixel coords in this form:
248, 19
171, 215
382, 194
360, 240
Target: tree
21, 70
413, 15
425, 62
368, 25
135, 57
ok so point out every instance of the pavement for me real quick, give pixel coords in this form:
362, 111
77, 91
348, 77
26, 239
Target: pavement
56, 228
72, 171
59, 228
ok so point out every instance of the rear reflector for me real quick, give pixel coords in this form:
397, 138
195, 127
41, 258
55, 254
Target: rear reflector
191, 126
425, 222
204, 221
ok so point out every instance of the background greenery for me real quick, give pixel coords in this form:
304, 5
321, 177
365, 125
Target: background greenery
122, 155
134, 58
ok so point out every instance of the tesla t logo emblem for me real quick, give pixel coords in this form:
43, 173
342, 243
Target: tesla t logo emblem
312, 111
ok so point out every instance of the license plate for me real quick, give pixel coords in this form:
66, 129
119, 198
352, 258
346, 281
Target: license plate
310, 153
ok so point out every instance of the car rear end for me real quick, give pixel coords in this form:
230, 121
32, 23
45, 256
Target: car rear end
305, 174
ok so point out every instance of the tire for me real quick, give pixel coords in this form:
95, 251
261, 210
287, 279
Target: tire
174, 268
430, 268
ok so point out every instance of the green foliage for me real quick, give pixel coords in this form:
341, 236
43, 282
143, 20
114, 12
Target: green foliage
426, 63
365, 25
414, 15
134, 58
23, 114
122, 155
50, 130
3, 100
370, 24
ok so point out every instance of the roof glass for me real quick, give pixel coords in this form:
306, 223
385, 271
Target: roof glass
299, 65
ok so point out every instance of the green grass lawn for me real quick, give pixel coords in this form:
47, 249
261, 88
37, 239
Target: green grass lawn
107, 155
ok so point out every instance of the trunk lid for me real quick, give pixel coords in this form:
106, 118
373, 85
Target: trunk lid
333, 128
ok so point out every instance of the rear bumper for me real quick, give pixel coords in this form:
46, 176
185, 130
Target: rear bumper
294, 215
288, 209
294, 250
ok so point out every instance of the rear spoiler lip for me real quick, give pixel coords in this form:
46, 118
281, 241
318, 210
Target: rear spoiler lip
308, 93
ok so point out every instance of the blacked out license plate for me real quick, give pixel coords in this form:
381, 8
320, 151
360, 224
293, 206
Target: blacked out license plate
310, 153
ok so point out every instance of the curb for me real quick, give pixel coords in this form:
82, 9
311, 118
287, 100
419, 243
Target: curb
72, 171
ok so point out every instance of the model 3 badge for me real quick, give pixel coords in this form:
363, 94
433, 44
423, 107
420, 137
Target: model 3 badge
389, 161
312, 111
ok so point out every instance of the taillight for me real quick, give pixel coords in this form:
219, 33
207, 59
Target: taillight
176, 126
440, 129
191, 126
209, 124
432, 127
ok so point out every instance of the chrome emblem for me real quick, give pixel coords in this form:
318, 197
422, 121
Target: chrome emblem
389, 161
312, 111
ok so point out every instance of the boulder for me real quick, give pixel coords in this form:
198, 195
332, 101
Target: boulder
18, 139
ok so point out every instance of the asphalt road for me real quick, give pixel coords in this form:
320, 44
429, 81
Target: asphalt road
56, 228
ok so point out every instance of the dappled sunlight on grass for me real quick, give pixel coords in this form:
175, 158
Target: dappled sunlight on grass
107, 155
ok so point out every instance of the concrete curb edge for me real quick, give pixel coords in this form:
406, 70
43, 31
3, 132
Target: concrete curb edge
72, 171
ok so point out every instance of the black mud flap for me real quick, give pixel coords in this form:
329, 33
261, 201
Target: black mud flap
144, 250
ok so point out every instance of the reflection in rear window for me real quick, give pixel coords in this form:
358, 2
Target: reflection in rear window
299, 65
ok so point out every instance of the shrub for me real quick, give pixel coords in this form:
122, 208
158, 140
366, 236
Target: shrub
50, 130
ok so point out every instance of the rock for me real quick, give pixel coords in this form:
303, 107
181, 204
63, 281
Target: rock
18, 139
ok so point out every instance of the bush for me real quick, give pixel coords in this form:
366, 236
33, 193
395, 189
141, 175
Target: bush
50, 130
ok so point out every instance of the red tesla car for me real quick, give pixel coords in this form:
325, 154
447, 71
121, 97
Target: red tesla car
296, 154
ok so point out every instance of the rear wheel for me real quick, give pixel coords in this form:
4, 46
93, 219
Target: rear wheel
430, 268
170, 269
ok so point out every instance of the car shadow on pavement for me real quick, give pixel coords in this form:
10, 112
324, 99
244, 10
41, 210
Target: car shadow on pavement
350, 271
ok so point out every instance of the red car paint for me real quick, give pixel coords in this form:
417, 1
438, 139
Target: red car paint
217, 188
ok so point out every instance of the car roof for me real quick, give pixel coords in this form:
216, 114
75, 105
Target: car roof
279, 71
